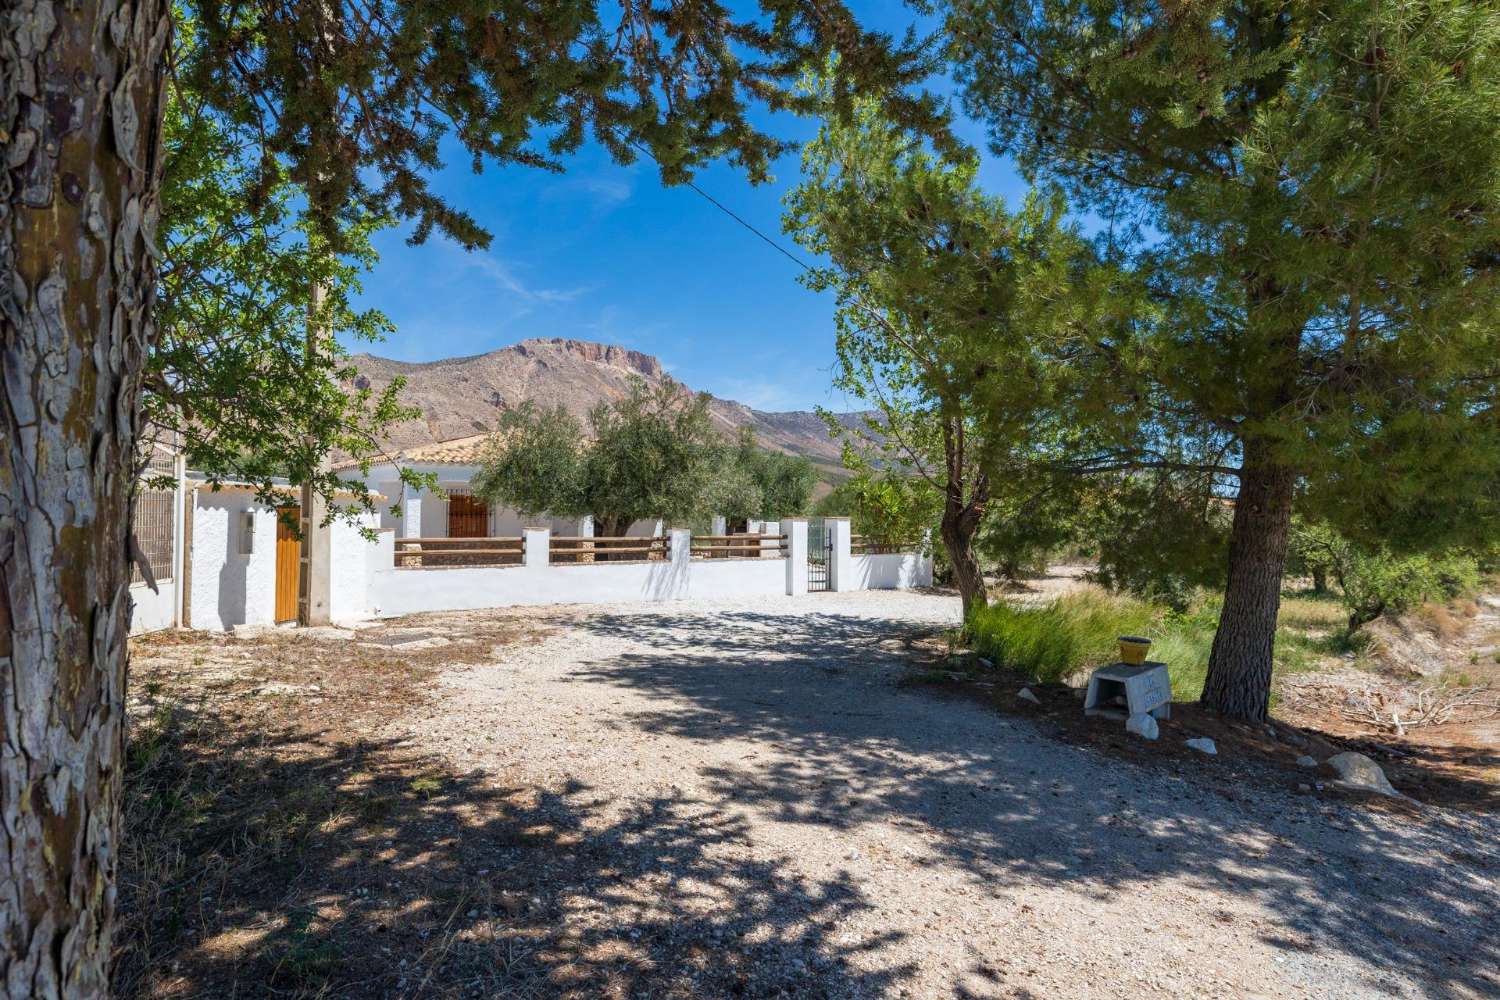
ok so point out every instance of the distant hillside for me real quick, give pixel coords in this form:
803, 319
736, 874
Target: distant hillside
463, 396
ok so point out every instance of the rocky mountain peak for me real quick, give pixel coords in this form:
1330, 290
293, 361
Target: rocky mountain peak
604, 354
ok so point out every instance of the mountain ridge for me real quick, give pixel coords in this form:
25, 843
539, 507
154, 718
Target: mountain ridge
462, 396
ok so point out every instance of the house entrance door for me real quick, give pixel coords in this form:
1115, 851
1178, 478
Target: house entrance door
288, 563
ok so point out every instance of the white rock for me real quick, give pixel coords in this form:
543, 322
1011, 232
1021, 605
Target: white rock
1306, 761
1025, 695
1142, 724
1355, 770
1204, 744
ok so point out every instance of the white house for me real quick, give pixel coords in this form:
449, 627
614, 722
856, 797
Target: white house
455, 512
222, 558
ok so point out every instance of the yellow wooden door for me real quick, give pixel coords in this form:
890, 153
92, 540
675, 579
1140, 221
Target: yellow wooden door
288, 564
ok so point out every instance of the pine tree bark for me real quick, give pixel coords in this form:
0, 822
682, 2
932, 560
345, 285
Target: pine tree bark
1239, 665
80, 103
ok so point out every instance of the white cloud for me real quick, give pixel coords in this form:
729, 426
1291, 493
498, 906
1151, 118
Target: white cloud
504, 274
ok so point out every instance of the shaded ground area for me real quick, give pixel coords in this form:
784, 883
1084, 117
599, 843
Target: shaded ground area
696, 800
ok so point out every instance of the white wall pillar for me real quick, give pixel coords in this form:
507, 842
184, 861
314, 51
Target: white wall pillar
586, 526
795, 530
179, 538
720, 525
411, 512
840, 559
682, 548
538, 547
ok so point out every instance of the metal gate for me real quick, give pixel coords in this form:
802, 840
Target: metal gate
819, 555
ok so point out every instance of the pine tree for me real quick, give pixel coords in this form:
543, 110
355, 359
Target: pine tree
1314, 191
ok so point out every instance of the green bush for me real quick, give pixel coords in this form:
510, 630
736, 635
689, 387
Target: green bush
1377, 583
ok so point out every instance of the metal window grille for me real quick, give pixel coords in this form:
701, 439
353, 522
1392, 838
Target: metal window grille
153, 532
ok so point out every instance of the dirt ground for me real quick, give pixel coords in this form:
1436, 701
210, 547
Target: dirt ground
705, 800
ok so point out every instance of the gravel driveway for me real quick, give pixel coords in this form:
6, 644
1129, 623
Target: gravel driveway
754, 776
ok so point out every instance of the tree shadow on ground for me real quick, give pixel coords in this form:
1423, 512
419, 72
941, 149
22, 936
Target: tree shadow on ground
275, 863
1408, 899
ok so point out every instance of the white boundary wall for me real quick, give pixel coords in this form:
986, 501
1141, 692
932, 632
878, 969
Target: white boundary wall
892, 571
152, 612
393, 592
233, 565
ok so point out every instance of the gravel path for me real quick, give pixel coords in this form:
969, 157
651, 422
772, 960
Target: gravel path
754, 774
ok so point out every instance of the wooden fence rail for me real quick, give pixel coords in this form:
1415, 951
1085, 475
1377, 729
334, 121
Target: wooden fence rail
432, 553
737, 546
871, 545
574, 549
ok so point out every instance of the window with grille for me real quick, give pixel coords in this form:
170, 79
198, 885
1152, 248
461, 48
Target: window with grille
153, 532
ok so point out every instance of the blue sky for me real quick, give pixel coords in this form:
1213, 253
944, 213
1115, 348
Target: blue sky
606, 253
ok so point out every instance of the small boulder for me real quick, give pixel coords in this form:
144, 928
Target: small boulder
1306, 761
1203, 745
1142, 724
1355, 770
1025, 694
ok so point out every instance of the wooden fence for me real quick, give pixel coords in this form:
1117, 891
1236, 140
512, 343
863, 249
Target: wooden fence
738, 546
572, 550
873, 545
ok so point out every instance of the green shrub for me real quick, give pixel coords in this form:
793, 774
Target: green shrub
1377, 583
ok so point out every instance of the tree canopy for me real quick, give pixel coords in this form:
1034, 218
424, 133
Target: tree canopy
956, 317
652, 454
249, 376
754, 483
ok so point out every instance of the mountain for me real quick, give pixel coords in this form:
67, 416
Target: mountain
459, 397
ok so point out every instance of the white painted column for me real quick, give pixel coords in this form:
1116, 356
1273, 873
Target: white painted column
840, 559
720, 525
795, 530
179, 538
538, 547
682, 549
411, 512
586, 526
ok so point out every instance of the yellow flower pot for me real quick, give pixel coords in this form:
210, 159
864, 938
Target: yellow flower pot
1133, 649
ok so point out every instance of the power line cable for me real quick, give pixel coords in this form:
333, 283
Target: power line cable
733, 215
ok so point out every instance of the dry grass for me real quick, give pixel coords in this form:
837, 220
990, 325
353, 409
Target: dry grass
274, 846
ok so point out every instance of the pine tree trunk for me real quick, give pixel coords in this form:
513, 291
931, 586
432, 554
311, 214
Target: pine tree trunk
1239, 666
80, 118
